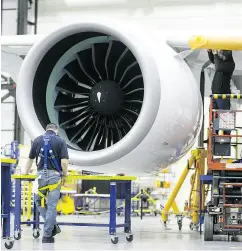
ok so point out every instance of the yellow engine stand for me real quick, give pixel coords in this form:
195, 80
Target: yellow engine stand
198, 158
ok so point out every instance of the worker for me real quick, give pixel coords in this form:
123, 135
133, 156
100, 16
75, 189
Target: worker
51, 154
224, 68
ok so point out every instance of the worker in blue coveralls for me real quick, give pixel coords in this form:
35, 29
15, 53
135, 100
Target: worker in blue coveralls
51, 155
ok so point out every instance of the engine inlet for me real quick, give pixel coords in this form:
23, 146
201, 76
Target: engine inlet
93, 89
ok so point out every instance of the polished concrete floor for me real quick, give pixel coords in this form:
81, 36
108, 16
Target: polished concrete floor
149, 234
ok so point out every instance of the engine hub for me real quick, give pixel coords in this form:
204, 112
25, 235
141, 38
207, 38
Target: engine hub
106, 97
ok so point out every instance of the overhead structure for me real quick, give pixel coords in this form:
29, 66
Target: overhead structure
206, 42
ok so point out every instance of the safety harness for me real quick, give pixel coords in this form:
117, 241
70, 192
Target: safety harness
46, 152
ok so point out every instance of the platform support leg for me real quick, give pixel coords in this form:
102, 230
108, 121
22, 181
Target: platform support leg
200, 206
6, 195
127, 213
112, 223
36, 216
17, 210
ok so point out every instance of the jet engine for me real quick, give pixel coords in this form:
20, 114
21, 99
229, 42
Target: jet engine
123, 99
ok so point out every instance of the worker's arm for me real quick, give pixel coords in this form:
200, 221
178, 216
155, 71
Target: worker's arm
64, 156
28, 166
226, 66
31, 158
64, 166
211, 56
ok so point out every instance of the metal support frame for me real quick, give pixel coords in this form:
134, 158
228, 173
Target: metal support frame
22, 19
112, 225
127, 213
178, 186
197, 159
6, 188
17, 208
22, 28
204, 179
7, 83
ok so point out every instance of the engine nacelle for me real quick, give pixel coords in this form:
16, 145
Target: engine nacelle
123, 100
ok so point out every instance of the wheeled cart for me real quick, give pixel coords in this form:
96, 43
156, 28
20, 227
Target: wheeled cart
112, 225
6, 188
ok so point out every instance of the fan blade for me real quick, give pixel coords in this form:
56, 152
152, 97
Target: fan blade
94, 63
93, 134
134, 101
65, 85
118, 62
111, 142
128, 61
106, 133
116, 52
100, 54
125, 120
136, 90
117, 129
106, 58
67, 117
65, 101
133, 112
97, 139
74, 72
132, 81
85, 60
101, 141
86, 134
94, 141
127, 70
85, 122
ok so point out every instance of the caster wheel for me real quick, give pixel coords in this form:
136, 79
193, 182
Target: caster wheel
36, 234
208, 227
8, 244
129, 238
17, 236
114, 239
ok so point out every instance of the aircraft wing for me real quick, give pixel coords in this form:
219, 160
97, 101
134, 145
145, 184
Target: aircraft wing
14, 49
193, 49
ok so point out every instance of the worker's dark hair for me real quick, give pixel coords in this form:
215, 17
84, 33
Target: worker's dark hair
51, 126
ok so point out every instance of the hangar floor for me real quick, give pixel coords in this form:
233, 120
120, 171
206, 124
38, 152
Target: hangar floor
149, 234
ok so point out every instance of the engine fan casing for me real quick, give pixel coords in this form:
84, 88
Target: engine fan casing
168, 121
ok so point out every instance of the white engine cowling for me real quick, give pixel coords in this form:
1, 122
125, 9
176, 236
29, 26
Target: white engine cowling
123, 100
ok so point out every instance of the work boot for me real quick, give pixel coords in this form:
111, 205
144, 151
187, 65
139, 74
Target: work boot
56, 230
48, 239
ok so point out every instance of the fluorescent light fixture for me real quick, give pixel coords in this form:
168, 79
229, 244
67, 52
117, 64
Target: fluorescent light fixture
94, 2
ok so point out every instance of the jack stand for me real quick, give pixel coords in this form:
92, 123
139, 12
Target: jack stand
197, 159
